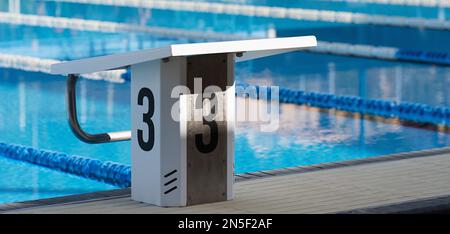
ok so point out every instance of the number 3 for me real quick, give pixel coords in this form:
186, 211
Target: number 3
147, 118
208, 148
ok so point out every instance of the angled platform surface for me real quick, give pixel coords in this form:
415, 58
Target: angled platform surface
251, 49
335, 190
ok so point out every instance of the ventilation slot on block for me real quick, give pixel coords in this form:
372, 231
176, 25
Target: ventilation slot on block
170, 182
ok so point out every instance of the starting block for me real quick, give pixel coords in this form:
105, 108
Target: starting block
182, 113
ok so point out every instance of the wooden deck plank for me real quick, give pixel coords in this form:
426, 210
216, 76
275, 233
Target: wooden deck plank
322, 191
75, 205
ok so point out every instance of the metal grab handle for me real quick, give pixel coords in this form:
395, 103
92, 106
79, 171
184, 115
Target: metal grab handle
75, 126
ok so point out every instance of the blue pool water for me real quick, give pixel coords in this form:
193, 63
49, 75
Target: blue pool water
28, 182
45, 42
305, 137
37, 7
32, 107
399, 37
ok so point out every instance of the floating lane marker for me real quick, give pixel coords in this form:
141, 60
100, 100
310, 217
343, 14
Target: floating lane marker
417, 112
275, 12
107, 172
423, 56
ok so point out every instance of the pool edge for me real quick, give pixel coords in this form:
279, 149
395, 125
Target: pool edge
117, 193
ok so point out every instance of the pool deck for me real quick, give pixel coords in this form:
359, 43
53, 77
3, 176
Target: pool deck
393, 184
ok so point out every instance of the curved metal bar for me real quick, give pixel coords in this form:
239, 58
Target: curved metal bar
75, 126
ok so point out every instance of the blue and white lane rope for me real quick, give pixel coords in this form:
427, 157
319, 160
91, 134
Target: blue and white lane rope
423, 56
422, 3
382, 52
416, 112
275, 12
107, 172
33, 64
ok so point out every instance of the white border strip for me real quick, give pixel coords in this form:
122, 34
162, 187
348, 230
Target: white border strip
275, 12
367, 51
33, 64
422, 3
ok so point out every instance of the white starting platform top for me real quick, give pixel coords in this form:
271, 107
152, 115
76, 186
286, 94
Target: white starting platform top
250, 49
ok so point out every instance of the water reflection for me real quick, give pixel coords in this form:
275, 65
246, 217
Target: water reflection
59, 44
306, 71
306, 136
310, 136
373, 79
35, 114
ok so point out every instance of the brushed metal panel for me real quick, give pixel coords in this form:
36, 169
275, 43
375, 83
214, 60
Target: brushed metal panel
207, 172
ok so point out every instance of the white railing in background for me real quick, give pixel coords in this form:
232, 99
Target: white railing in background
275, 12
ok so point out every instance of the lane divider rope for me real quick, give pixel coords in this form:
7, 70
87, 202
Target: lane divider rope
103, 171
415, 112
382, 52
275, 12
33, 64
422, 3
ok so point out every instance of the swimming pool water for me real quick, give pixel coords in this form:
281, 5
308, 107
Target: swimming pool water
49, 43
305, 136
33, 112
306, 71
340, 75
378, 35
38, 7
105, 106
22, 181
